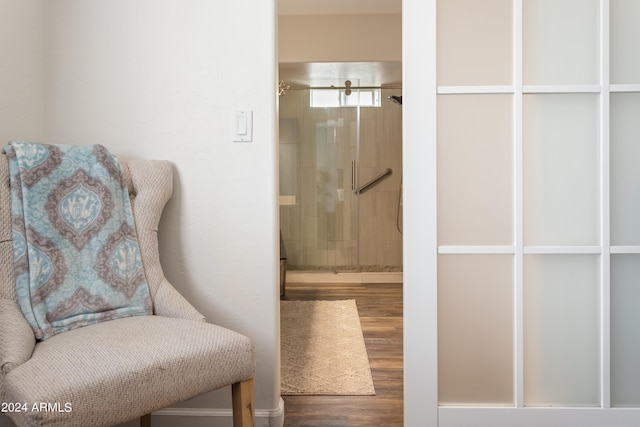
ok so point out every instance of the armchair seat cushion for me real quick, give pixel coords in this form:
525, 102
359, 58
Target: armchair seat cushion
154, 361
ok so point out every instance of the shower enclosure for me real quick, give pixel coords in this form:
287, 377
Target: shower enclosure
340, 178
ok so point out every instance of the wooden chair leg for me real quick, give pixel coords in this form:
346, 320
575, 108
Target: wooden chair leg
145, 420
243, 411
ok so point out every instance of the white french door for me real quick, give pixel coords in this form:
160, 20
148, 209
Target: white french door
538, 212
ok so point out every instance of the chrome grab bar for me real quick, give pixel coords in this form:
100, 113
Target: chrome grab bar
373, 182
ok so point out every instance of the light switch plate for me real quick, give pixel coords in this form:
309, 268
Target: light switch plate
243, 126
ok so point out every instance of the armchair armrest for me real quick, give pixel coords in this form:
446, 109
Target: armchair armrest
16, 337
168, 302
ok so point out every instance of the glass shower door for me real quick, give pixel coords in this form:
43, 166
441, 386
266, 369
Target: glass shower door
318, 207
336, 148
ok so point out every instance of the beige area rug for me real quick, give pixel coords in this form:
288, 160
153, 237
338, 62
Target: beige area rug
322, 349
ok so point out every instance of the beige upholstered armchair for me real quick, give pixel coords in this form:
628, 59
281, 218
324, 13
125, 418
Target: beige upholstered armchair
114, 371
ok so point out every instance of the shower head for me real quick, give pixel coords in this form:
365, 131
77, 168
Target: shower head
397, 99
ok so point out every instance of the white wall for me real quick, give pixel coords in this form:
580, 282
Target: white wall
22, 75
340, 38
161, 79
22, 70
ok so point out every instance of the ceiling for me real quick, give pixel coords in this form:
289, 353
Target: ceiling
337, 7
335, 73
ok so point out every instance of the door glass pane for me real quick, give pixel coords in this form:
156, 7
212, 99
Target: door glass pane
625, 173
560, 42
336, 207
625, 334
475, 329
561, 169
318, 210
625, 41
475, 172
561, 330
481, 54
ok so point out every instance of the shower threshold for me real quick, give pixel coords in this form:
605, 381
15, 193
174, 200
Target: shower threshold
365, 274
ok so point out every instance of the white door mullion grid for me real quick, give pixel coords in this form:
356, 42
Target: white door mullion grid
476, 250
624, 249
563, 250
518, 233
605, 414
605, 267
561, 88
466, 90
616, 88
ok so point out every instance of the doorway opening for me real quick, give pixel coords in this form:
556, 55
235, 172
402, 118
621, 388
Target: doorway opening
341, 176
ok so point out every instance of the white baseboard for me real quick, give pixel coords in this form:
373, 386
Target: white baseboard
205, 417
196, 417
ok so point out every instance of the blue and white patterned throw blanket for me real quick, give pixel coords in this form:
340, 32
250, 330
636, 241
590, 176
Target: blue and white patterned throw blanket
76, 254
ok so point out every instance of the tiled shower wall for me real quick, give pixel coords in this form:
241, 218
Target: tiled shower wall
323, 224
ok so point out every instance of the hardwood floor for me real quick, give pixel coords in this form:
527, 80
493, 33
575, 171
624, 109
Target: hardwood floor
380, 309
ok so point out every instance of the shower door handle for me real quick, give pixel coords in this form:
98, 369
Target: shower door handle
353, 175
